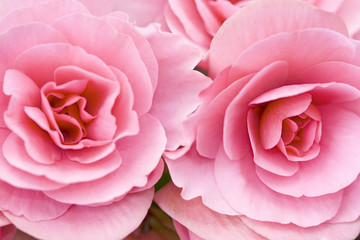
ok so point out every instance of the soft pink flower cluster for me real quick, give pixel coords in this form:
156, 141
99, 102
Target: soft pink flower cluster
261, 143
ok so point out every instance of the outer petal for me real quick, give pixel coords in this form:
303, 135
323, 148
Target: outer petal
64, 170
201, 220
195, 174
290, 16
114, 221
338, 231
301, 49
246, 194
7, 6
27, 203
350, 208
46, 12
177, 93
142, 12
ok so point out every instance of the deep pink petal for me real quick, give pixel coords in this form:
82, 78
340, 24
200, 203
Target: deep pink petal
114, 221
343, 231
200, 219
26, 203
123, 53
64, 170
45, 12
271, 160
177, 93
310, 180
246, 194
236, 140
195, 175
290, 16
141, 155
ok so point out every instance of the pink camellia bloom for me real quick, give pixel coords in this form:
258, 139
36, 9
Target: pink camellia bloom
88, 105
278, 132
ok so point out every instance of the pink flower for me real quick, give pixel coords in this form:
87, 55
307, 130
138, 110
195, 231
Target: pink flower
88, 105
278, 132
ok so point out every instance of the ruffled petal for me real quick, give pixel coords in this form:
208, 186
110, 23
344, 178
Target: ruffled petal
92, 223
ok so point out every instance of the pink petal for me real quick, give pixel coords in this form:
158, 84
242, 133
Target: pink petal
277, 231
271, 160
8, 6
63, 170
177, 93
26, 203
246, 194
211, 122
19, 178
142, 12
350, 207
332, 71
89, 155
275, 112
140, 156
3, 220
36, 33
127, 122
193, 25
37, 142
195, 175
290, 16
142, 45
200, 219
236, 140
123, 53
92, 223
61, 54
46, 12
349, 12
301, 49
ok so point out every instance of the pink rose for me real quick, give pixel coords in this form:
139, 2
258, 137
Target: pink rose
88, 105
278, 132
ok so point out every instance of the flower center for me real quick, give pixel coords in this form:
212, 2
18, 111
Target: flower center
293, 126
